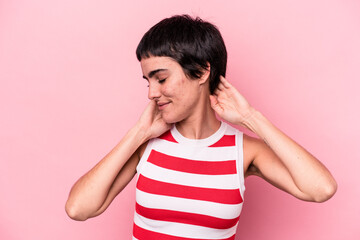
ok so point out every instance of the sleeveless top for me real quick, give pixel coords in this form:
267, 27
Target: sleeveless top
190, 188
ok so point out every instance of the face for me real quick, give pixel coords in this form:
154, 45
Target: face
176, 95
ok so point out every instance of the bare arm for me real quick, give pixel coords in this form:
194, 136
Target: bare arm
94, 191
278, 159
122, 179
315, 184
89, 193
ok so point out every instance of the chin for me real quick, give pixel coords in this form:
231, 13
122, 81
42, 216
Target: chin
171, 118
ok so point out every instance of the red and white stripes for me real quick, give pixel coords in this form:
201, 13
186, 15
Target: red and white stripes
190, 189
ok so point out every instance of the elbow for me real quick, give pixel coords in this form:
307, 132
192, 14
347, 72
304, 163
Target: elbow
326, 192
74, 213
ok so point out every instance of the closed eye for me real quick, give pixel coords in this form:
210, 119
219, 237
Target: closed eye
162, 80
159, 81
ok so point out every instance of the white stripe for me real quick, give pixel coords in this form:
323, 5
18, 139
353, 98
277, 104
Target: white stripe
183, 230
195, 153
228, 181
145, 156
219, 210
240, 163
230, 130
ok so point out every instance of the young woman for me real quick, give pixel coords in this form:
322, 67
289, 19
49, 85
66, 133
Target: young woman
190, 165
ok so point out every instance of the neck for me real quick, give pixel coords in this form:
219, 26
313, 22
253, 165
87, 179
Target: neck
202, 123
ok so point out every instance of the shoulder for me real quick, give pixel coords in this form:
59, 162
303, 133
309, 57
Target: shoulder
252, 148
252, 145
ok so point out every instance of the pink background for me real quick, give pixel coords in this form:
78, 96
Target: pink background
71, 87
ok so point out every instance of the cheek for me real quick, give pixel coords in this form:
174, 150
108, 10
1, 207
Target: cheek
167, 91
182, 91
173, 90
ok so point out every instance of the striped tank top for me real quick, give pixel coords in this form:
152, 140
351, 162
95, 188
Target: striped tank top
190, 188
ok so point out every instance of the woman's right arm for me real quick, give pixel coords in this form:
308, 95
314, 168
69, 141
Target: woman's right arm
94, 191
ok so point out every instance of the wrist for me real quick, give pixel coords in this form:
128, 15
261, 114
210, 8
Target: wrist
248, 117
140, 133
252, 120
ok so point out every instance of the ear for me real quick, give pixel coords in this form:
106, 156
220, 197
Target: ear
206, 74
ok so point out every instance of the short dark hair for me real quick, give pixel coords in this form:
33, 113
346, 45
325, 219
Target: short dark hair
191, 42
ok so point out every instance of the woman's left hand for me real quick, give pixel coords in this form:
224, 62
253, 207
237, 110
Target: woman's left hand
275, 157
229, 104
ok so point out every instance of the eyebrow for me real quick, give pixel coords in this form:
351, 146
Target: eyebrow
152, 73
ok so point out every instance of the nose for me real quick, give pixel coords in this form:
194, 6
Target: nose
154, 91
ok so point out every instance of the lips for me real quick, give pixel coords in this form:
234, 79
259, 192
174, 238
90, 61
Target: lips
162, 105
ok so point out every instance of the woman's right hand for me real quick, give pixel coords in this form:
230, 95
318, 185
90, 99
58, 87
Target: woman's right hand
151, 121
110, 176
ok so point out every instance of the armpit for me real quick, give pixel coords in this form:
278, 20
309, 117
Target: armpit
252, 170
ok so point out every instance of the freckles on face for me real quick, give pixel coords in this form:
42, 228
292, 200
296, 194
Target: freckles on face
181, 92
180, 89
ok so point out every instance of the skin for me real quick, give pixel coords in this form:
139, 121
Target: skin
187, 103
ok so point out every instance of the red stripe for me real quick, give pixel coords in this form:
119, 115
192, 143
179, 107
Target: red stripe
143, 234
168, 136
225, 141
184, 217
192, 166
226, 196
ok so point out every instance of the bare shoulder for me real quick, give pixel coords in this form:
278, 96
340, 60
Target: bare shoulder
251, 148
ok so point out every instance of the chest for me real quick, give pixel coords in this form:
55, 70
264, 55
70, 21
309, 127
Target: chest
201, 190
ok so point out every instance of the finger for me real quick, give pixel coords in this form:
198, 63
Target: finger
150, 106
221, 86
214, 103
217, 92
153, 107
213, 99
225, 82
221, 92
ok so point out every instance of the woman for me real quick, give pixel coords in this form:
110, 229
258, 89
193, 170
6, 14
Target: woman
191, 166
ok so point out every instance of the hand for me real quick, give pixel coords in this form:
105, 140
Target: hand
151, 121
229, 104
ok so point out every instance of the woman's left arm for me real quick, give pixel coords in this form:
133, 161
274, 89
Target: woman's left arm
288, 166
